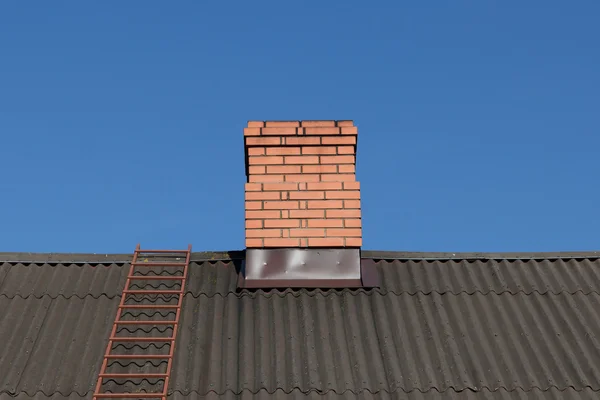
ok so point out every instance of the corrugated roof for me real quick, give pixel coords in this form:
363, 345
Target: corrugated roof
476, 328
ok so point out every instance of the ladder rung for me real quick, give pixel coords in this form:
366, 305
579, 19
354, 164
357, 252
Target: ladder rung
133, 375
156, 277
149, 306
129, 395
140, 339
162, 251
158, 264
139, 356
152, 291
145, 322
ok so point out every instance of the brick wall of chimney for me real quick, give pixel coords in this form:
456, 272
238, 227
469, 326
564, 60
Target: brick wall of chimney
302, 189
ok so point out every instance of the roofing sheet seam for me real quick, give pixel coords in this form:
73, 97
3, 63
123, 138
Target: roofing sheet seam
329, 391
327, 293
399, 390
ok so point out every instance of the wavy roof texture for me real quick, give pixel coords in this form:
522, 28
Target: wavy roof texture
473, 326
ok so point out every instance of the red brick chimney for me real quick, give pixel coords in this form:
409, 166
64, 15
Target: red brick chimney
302, 190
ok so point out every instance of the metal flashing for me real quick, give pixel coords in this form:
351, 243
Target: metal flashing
301, 268
369, 274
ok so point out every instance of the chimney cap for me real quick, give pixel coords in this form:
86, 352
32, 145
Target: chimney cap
300, 123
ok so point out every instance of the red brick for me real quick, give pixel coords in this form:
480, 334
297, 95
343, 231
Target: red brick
343, 150
322, 131
251, 131
337, 159
284, 196
281, 205
302, 178
253, 205
304, 242
351, 203
282, 151
257, 169
347, 168
250, 243
324, 186
264, 160
307, 214
284, 169
352, 185
263, 233
304, 140
254, 223
326, 242
255, 124
345, 123
279, 124
282, 223
338, 177
282, 242
307, 195
253, 187
279, 186
263, 214
354, 242
313, 123
319, 169
318, 150
285, 233
285, 214
343, 194
266, 178
339, 140
352, 223
256, 151
305, 233
349, 130
303, 204
279, 131
334, 232
325, 204
263, 195
301, 160
343, 213
325, 223
263, 141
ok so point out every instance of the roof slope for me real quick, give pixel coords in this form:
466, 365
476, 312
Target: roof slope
470, 326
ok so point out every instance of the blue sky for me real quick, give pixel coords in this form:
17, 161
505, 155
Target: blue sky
121, 122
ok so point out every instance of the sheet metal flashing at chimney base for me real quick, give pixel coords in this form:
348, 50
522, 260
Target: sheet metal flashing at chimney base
306, 268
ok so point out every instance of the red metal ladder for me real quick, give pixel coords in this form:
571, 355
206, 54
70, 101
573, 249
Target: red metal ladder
147, 299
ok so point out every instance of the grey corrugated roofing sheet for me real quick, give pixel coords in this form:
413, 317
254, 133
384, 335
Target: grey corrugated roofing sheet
52, 345
66, 280
471, 328
386, 343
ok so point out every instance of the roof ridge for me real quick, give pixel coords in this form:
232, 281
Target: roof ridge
105, 258
415, 255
